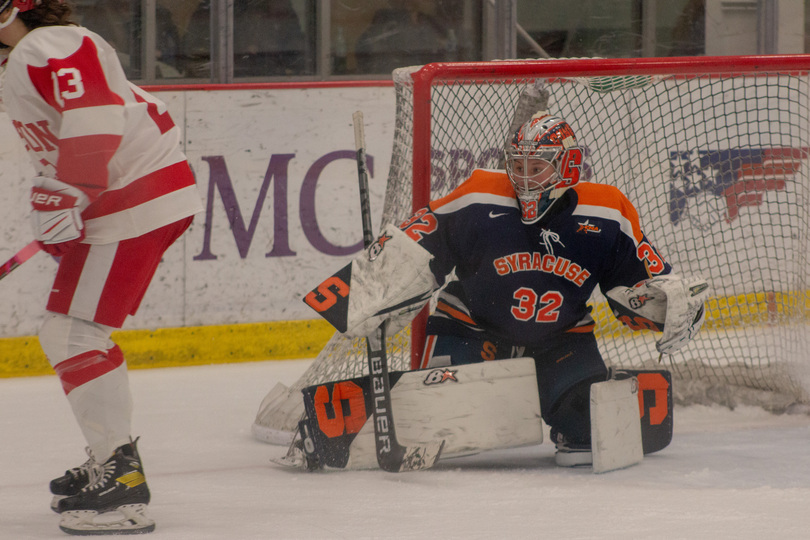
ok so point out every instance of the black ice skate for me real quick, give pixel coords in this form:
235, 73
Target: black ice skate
571, 453
74, 480
115, 503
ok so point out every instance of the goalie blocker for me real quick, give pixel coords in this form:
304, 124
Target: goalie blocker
474, 408
391, 280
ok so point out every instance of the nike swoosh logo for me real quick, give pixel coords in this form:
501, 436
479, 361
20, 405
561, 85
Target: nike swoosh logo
492, 214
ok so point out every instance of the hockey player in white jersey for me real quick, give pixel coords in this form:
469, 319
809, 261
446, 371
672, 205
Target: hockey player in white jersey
112, 192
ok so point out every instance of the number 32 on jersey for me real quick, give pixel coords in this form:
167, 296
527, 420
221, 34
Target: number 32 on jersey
543, 308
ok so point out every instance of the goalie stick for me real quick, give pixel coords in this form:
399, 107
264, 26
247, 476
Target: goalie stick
20, 257
391, 455
533, 98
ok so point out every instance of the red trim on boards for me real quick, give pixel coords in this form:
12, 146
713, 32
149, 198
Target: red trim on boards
296, 85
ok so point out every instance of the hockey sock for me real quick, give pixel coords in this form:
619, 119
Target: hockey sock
97, 388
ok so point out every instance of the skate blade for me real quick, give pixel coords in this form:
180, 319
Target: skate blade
126, 519
291, 462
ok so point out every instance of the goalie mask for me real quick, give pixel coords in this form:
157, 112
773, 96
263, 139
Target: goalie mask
542, 161
18, 6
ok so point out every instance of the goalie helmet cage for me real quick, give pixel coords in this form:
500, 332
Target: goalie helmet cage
712, 151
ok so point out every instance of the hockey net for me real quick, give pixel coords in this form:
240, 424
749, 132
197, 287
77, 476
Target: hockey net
713, 152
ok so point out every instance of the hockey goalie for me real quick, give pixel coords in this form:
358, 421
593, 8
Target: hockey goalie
511, 339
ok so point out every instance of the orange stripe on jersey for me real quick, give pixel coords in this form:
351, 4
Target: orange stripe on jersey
608, 202
453, 312
483, 186
584, 329
430, 344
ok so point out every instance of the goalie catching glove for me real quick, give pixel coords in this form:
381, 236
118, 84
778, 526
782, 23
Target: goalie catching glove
391, 280
56, 215
665, 303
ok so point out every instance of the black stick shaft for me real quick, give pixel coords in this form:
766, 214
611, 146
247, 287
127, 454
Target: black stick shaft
391, 455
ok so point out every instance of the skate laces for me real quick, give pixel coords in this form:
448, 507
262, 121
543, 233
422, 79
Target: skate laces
99, 476
89, 468
81, 470
93, 472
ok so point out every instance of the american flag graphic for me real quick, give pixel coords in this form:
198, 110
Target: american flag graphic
737, 178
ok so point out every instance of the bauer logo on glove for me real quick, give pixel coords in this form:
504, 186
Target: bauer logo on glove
56, 214
43, 200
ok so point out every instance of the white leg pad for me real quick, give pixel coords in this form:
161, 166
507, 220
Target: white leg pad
471, 407
615, 425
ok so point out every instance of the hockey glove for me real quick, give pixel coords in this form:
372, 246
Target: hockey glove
56, 215
665, 303
685, 309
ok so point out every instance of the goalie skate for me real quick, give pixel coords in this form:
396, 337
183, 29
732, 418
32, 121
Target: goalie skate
293, 459
569, 453
298, 456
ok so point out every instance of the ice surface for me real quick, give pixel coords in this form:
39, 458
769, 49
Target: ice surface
727, 474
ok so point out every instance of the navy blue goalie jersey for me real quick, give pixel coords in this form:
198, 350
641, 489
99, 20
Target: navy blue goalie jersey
522, 282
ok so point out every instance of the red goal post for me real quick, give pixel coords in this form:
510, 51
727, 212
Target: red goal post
712, 151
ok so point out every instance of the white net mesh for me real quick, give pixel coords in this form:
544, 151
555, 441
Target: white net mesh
717, 166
